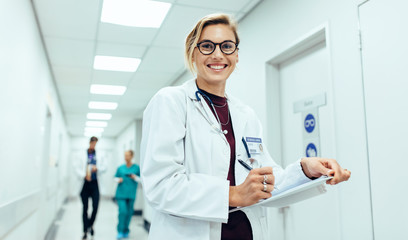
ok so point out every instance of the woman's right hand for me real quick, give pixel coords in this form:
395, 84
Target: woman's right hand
120, 180
251, 190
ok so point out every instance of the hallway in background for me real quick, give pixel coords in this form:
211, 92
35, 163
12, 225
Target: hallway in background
69, 227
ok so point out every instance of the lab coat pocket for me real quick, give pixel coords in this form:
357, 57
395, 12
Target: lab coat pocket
188, 228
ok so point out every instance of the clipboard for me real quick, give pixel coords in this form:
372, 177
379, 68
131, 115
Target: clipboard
292, 195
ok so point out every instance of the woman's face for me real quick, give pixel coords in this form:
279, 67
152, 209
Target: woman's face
216, 67
128, 157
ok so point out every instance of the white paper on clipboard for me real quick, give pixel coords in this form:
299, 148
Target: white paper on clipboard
293, 195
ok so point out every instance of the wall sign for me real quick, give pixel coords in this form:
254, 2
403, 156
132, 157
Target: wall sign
311, 150
310, 123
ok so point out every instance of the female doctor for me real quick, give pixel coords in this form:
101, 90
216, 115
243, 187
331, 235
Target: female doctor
193, 138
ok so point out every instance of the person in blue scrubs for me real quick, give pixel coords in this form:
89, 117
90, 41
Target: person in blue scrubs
127, 176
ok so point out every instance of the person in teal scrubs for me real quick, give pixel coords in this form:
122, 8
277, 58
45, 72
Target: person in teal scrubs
127, 176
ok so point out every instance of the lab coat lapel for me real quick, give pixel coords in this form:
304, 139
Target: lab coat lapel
238, 116
202, 106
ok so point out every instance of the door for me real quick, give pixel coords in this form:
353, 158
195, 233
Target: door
384, 54
304, 76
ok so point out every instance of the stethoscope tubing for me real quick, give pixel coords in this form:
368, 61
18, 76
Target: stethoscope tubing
213, 108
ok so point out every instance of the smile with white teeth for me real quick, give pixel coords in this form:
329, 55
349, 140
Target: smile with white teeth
217, 67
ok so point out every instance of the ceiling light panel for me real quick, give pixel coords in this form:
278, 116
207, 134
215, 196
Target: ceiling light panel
102, 105
99, 116
122, 64
107, 89
135, 13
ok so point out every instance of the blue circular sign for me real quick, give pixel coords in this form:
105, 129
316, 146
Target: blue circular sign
310, 123
311, 150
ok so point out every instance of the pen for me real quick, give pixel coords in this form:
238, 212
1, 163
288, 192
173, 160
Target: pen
249, 168
245, 165
246, 147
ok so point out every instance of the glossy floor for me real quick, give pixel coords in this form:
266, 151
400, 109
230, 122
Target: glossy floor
69, 227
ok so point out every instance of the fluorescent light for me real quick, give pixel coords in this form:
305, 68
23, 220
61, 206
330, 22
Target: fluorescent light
110, 63
107, 89
92, 134
135, 13
102, 105
94, 129
96, 124
99, 116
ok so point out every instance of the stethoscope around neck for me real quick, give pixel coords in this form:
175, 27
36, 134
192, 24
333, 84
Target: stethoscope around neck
219, 128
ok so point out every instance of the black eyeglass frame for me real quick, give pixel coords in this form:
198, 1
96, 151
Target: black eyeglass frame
215, 46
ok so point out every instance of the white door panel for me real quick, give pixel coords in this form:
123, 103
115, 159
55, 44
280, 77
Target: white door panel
385, 72
304, 76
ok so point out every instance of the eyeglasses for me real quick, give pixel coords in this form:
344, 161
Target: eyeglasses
207, 47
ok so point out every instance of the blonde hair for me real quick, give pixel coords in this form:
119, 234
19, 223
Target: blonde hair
195, 34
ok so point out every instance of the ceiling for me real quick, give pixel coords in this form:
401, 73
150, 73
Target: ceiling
73, 35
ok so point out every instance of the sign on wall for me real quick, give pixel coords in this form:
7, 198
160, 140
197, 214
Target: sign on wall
310, 123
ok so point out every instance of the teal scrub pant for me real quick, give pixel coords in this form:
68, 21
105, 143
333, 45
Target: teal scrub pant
125, 214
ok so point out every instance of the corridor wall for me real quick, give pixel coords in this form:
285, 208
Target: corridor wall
34, 143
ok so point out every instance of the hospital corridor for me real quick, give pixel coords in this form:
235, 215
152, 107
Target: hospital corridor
67, 221
203, 119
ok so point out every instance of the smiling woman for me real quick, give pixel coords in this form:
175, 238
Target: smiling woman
202, 54
191, 149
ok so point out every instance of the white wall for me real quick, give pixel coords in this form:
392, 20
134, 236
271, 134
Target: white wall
32, 174
187, 75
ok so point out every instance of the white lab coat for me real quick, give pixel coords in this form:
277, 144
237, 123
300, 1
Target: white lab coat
185, 163
81, 162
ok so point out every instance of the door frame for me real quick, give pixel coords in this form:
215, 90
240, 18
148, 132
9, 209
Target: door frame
316, 36
272, 67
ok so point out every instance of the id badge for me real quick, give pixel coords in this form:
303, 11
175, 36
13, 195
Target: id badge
254, 145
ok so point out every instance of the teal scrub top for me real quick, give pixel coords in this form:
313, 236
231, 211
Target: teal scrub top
127, 188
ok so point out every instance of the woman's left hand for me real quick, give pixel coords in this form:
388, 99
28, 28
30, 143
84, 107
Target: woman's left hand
315, 167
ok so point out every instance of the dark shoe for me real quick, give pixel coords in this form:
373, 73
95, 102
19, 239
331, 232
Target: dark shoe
91, 230
84, 237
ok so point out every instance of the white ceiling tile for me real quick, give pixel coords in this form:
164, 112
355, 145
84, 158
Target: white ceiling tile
122, 34
70, 53
150, 80
74, 18
120, 50
216, 5
74, 103
73, 91
72, 75
135, 100
162, 59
